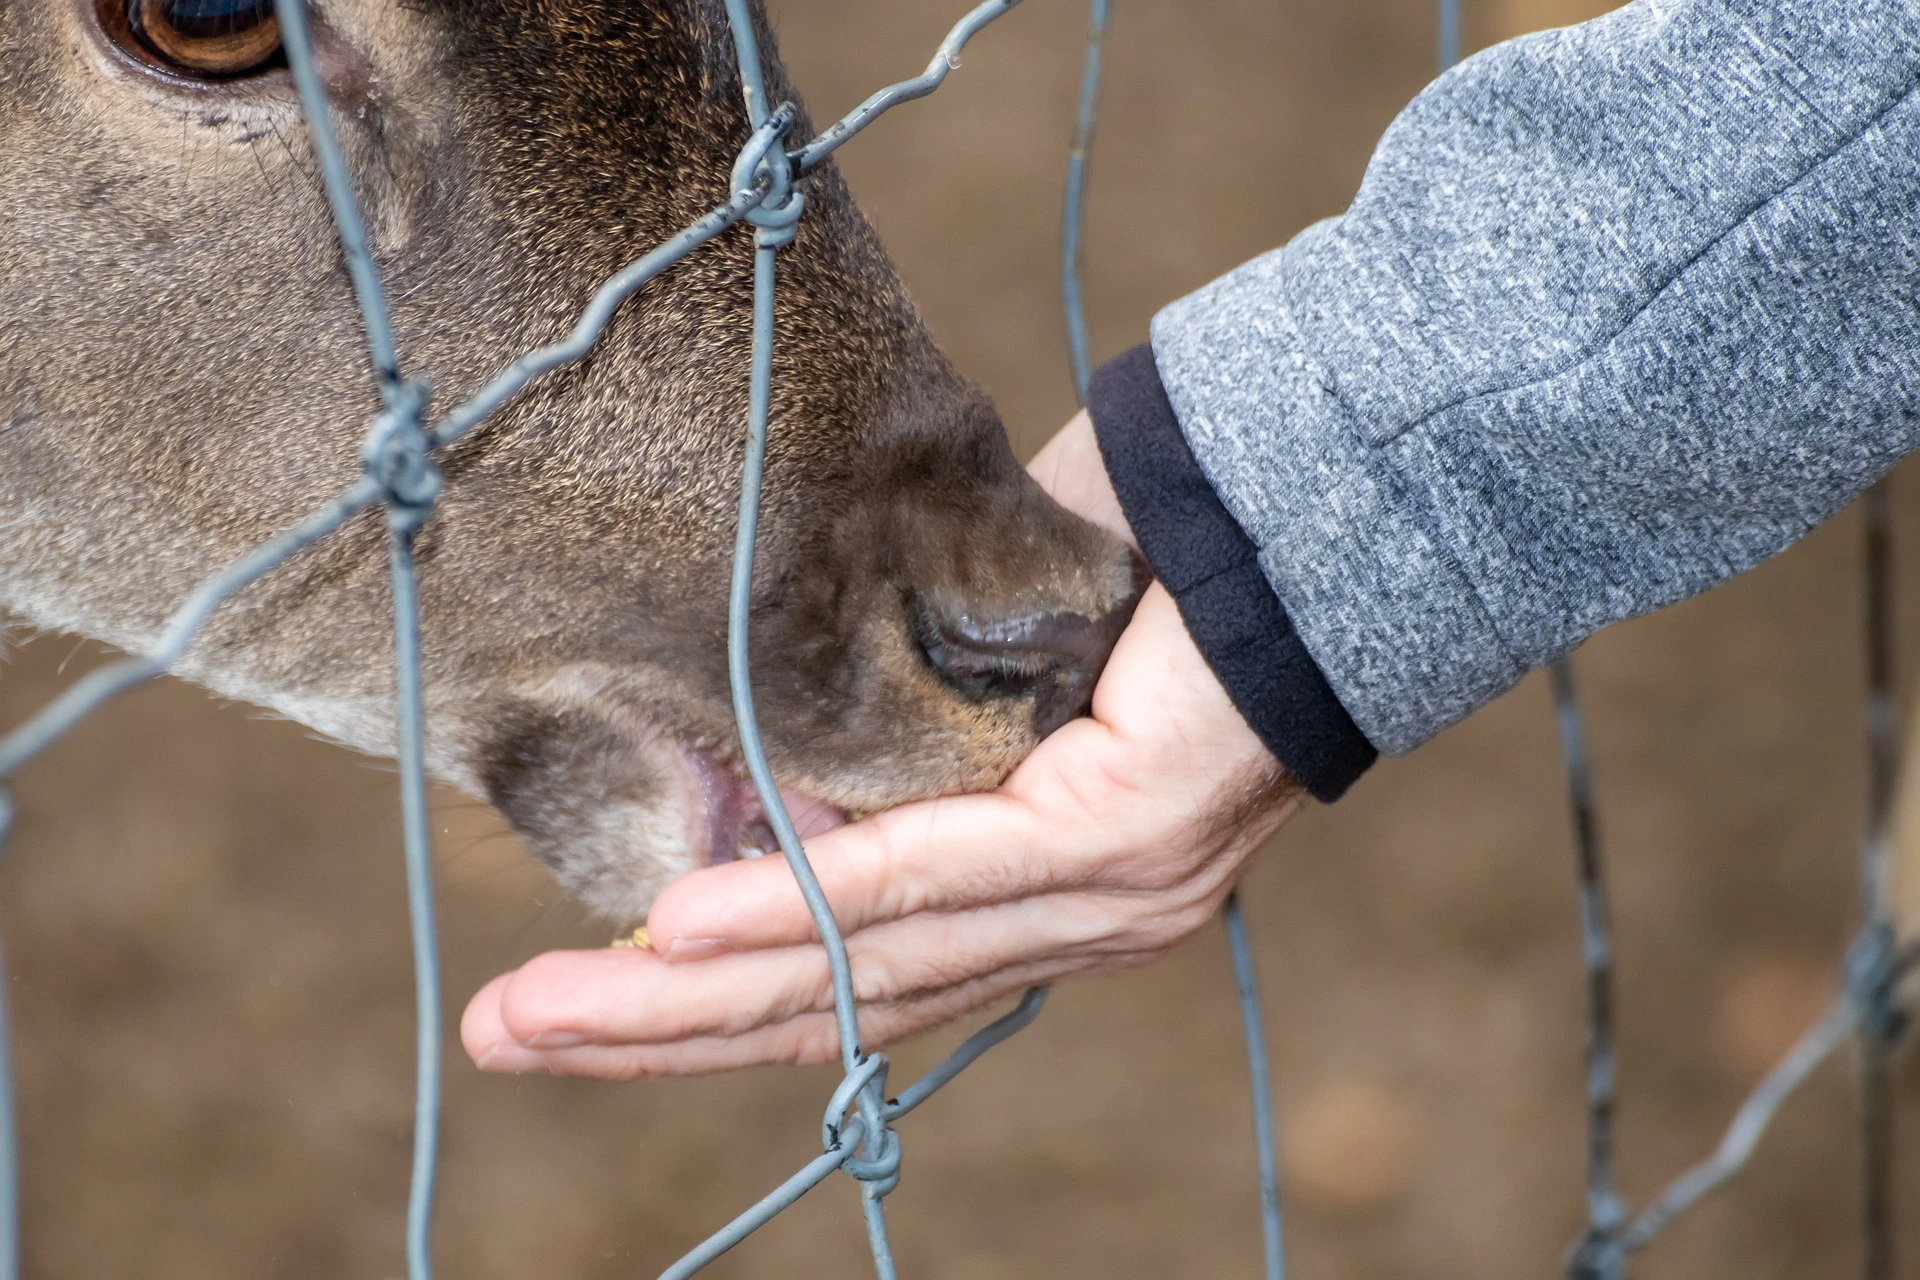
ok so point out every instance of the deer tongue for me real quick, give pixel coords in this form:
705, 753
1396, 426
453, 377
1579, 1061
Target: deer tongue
737, 825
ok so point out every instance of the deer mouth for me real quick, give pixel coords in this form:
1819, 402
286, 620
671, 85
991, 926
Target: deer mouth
729, 820
618, 799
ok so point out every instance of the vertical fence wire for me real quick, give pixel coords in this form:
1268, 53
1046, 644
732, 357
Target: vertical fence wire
418, 841
774, 222
397, 458
1874, 953
1259, 1078
1449, 33
1598, 1255
1079, 157
9, 1121
1246, 976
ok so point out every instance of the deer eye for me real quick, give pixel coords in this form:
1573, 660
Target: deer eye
205, 39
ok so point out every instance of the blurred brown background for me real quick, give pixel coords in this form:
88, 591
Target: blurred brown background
204, 909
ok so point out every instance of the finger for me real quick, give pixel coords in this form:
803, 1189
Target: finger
563, 999
953, 854
807, 1039
566, 998
813, 1038
1055, 936
960, 855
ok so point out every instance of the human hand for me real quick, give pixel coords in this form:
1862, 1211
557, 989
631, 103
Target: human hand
1120, 835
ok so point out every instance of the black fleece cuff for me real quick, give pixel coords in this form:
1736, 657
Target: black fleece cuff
1203, 557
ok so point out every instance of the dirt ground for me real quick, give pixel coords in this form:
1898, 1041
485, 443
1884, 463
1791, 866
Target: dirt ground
204, 919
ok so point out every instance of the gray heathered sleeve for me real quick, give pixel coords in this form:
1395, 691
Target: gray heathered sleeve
1619, 311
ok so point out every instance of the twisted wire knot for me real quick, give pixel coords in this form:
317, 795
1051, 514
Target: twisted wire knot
398, 457
763, 162
877, 1166
1598, 1256
1872, 965
879, 1175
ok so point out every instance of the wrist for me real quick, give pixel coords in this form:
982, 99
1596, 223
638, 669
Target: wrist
1212, 570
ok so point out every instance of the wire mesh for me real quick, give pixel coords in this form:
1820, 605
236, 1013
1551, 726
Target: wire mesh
1233, 916
1872, 971
857, 1136
402, 478
1865, 1007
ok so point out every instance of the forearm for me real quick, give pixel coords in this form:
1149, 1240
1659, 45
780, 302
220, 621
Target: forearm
1618, 312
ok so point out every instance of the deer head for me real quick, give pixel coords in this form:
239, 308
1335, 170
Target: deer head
183, 373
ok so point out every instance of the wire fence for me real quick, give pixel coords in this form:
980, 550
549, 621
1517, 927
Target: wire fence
1871, 974
401, 477
402, 480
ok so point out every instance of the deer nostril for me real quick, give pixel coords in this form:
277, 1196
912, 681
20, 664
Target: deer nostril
1054, 658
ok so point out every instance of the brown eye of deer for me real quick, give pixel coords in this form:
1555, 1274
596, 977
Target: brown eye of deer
209, 39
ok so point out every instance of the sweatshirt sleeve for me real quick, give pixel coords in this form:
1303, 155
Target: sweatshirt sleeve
1619, 311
